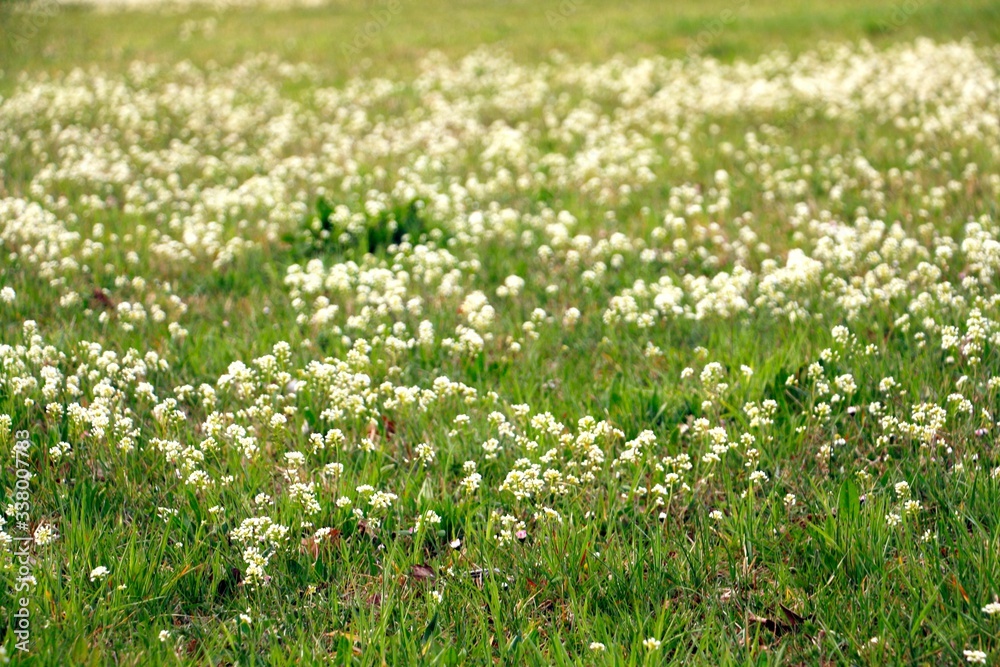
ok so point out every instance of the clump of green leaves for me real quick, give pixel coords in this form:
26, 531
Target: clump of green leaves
330, 231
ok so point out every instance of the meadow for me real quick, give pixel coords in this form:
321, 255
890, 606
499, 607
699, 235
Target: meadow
482, 332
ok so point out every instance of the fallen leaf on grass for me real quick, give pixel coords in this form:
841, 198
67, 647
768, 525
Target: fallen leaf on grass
228, 584
774, 627
389, 426
310, 545
102, 299
794, 620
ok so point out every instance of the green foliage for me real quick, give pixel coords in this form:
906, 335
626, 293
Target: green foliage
821, 561
323, 235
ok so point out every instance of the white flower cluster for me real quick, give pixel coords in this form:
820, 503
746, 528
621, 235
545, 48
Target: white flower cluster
497, 221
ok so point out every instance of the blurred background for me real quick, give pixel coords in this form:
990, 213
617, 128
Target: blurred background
356, 36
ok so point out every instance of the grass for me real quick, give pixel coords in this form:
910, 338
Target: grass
818, 562
405, 31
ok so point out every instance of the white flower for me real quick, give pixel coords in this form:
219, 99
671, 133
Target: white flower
381, 500
164, 635
597, 646
975, 657
651, 643
992, 608
7, 295
430, 517
44, 534
99, 572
